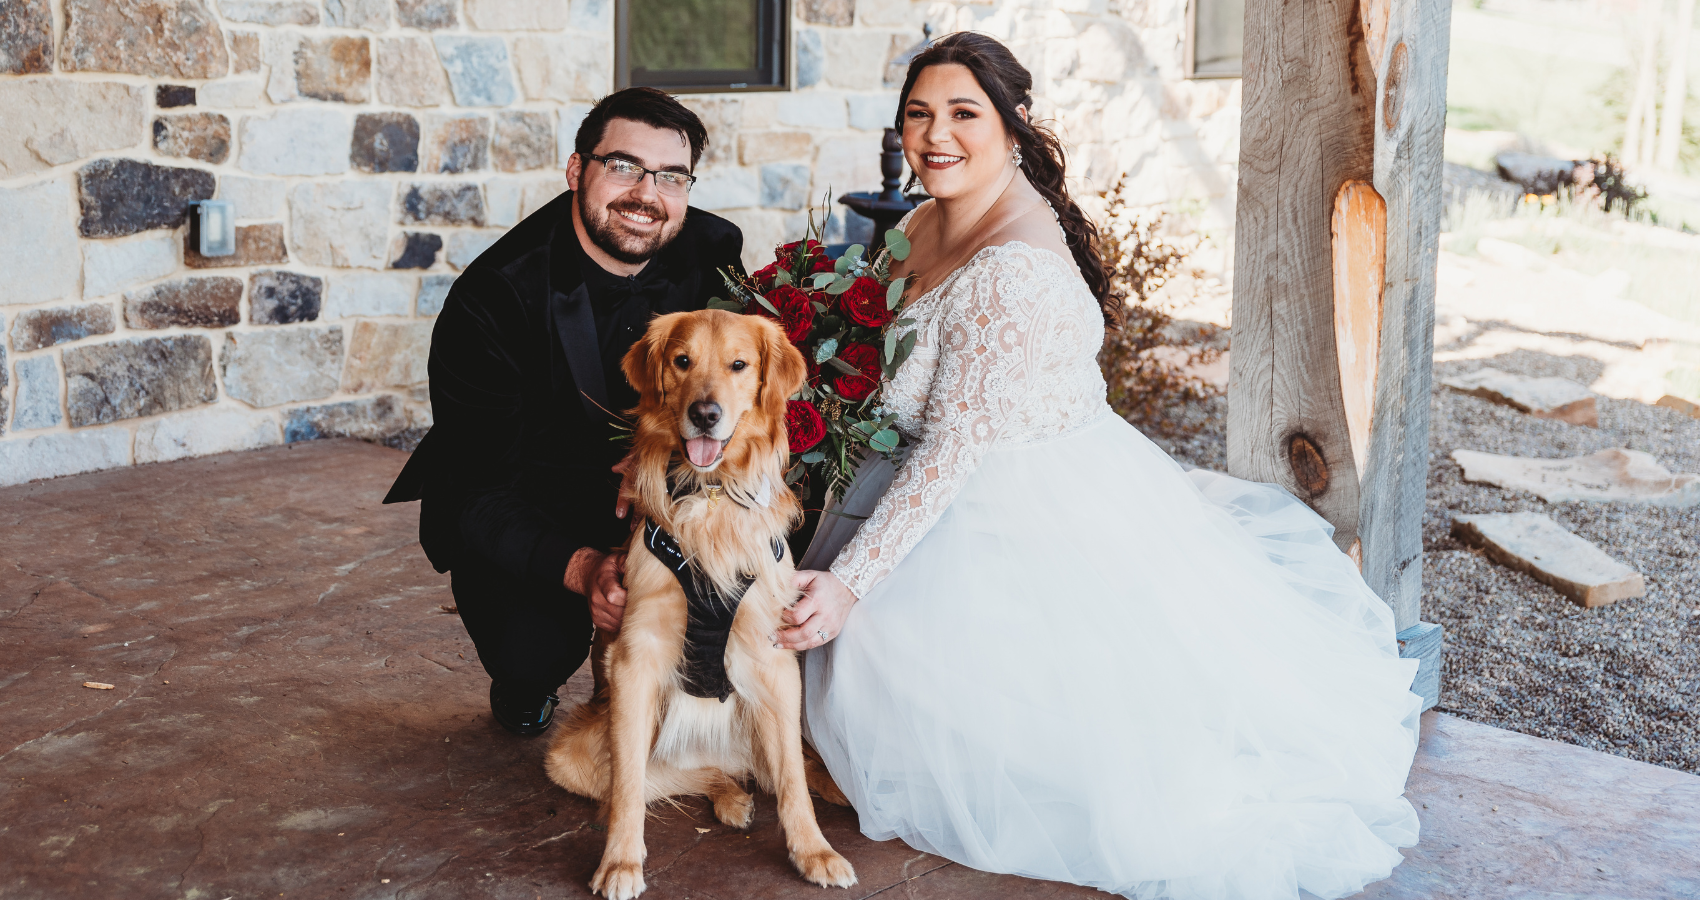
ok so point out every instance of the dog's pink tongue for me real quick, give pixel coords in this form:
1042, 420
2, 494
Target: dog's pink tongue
703, 451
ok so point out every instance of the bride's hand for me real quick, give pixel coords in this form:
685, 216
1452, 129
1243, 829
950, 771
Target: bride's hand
819, 616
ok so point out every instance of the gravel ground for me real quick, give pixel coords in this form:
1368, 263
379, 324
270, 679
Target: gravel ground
1623, 678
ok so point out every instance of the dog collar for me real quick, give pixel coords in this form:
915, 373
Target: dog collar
708, 614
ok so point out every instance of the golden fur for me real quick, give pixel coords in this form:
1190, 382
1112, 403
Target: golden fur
646, 739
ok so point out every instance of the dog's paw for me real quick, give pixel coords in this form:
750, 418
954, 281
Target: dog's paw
825, 868
618, 880
735, 808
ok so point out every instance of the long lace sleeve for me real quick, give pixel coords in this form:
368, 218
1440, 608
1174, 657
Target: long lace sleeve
989, 341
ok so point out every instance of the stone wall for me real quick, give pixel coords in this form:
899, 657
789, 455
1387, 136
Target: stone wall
373, 148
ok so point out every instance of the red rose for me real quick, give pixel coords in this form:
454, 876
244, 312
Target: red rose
764, 277
814, 370
865, 359
814, 257
864, 303
804, 427
796, 314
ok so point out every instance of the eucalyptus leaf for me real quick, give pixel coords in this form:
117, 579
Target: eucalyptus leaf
843, 366
854, 254
795, 475
721, 303
814, 456
820, 308
767, 306
894, 293
897, 244
782, 276
841, 265
885, 441
825, 350
890, 346
902, 323
840, 286
822, 279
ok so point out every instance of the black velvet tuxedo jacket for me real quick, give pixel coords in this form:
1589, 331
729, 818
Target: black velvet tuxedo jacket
516, 466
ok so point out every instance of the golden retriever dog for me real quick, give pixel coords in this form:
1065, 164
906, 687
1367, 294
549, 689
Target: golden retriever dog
712, 510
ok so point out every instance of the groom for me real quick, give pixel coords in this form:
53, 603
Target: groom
519, 496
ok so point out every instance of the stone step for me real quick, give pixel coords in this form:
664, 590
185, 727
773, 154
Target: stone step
1533, 543
1604, 477
1543, 398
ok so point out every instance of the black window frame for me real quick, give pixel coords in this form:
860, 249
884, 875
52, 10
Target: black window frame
1190, 63
772, 73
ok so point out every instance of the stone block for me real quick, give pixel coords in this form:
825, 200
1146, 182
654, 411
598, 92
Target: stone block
369, 15
140, 377
1681, 405
784, 186
39, 328
253, 198
53, 455
172, 96
873, 112
518, 15
50, 122
563, 68
279, 298
385, 142
415, 250
284, 365
726, 188
466, 246
385, 355
343, 224
336, 68
455, 143
442, 203
429, 15
123, 196
847, 164
1615, 475
1543, 398
232, 93
369, 295
815, 109
203, 433
595, 16
157, 38
502, 198
244, 51
297, 142
850, 56
38, 394
1533, 543
408, 73
270, 12
523, 141
202, 136
478, 69
540, 193
566, 132
370, 419
109, 267
886, 13
827, 12
26, 37
38, 244
256, 245
433, 290
811, 57
775, 146
212, 302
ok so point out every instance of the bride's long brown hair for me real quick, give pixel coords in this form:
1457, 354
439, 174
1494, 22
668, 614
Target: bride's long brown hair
1009, 85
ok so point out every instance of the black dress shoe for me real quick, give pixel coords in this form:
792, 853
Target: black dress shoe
524, 714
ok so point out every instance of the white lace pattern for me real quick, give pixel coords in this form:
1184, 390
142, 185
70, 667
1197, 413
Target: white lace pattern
1007, 354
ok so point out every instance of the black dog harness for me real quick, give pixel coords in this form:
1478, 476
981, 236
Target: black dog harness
709, 615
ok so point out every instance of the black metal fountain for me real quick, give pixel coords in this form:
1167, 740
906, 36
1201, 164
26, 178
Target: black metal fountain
888, 205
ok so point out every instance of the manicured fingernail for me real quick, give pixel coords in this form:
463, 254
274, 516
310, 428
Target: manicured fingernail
773, 636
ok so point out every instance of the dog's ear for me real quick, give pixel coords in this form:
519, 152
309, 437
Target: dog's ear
645, 364
782, 367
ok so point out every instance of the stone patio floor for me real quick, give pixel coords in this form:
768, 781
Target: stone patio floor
295, 715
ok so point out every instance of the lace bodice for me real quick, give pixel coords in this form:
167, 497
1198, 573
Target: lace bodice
1006, 354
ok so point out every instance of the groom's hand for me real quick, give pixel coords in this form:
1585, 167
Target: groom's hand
819, 616
600, 577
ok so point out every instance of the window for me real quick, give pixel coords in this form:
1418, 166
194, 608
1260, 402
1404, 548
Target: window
702, 45
1213, 39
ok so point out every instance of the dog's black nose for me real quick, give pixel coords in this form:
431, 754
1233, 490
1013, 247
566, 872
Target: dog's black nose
705, 414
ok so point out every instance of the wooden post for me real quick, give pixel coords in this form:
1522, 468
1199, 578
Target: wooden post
1335, 252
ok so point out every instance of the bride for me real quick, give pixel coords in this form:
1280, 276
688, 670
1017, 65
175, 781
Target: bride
1048, 650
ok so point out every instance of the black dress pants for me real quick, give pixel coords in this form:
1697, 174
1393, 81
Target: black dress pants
530, 638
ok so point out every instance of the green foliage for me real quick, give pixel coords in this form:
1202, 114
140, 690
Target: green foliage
669, 35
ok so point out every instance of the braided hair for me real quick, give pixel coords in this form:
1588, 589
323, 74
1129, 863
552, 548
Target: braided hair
1009, 85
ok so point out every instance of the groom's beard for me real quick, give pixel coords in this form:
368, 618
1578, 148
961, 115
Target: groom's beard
608, 232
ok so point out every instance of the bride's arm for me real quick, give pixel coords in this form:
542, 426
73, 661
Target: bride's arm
989, 343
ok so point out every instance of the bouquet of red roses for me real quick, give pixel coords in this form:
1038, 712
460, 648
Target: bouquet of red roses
843, 315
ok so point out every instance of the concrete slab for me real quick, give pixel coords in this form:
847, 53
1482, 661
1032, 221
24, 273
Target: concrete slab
295, 715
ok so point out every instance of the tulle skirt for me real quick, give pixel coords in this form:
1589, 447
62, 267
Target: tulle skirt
1102, 669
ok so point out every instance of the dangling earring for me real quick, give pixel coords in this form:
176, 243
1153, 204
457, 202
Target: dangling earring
1016, 156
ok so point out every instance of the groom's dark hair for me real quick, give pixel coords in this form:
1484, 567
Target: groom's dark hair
652, 107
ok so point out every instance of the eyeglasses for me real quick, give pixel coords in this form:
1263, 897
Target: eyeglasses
625, 172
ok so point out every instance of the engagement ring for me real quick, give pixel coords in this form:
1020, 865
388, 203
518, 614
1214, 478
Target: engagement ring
822, 633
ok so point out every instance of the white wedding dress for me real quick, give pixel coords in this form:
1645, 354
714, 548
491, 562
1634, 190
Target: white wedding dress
1072, 659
